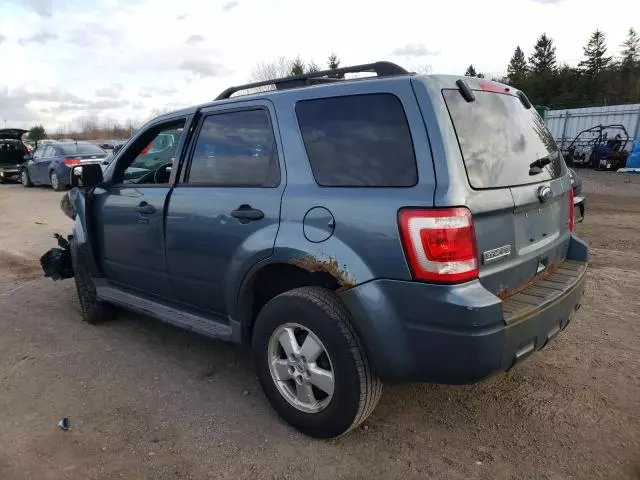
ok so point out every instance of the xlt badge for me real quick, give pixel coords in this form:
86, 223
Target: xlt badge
496, 254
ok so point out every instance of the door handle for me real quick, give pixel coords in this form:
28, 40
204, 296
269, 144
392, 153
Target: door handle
246, 213
145, 209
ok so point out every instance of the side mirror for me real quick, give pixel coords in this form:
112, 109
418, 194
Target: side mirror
86, 176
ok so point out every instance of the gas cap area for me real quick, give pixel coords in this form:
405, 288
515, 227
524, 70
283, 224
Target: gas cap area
318, 224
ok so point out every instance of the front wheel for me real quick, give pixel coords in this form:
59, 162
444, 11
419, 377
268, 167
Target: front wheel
93, 311
55, 182
312, 365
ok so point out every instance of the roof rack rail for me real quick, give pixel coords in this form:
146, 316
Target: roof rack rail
382, 69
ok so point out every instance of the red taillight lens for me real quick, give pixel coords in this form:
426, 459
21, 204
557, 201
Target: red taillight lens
572, 217
70, 161
440, 244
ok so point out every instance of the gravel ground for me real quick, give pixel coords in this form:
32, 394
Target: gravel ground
148, 401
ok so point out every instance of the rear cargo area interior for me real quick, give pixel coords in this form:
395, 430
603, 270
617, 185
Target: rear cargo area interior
11, 152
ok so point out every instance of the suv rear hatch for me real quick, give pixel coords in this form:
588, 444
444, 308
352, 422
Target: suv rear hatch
506, 147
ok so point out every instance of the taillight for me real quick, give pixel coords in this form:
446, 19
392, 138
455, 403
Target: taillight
70, 161
572, 217
440, 244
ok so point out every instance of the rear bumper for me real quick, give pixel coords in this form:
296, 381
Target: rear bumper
457, 334
12, 173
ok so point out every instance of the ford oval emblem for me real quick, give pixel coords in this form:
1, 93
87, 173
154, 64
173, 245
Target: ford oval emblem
545, 193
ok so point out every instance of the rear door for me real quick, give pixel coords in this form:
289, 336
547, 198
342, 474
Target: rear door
223, 216
42, 164
507, 149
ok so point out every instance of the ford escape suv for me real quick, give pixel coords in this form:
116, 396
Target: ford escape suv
396, 227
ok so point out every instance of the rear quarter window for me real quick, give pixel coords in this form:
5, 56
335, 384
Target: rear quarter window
499, 139
358, 141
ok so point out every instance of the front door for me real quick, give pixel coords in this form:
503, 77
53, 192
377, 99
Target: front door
130, 212
223, 217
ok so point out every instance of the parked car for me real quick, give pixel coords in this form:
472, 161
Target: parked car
399, 227
579, 200
50, 164
12, 153
110, 144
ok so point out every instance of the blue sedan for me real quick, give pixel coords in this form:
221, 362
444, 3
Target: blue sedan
51, 164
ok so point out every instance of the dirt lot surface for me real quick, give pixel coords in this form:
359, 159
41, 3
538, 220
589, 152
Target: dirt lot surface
148, 401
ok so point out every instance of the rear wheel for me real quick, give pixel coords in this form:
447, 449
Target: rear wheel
55, 182
24, 178
311, 363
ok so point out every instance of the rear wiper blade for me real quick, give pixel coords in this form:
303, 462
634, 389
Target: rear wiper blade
536, 167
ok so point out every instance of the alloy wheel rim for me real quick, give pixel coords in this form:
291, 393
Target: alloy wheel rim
301, 368
54, 180
24, 178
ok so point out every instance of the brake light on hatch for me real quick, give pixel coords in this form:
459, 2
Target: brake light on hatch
440, 244
71, 161
572, 217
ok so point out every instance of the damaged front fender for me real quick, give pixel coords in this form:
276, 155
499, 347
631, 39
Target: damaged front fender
56, 263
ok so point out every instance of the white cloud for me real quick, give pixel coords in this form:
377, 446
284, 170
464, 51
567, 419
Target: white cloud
413, 50
112, 91
200, 67
229, 6
39, 38
62, 58
193, 39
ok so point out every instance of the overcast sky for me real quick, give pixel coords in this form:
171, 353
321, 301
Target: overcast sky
61, 59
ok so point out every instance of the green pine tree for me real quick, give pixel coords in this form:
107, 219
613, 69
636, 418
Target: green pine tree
595, 52
517, 68
631, 50
297, 67
543, 58
471, 71
334, 62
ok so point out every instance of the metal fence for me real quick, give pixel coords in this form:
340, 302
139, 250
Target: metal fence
566, 124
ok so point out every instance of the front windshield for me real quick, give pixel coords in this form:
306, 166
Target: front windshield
160, 151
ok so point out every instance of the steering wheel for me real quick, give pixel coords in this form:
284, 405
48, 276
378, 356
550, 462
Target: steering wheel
161, 170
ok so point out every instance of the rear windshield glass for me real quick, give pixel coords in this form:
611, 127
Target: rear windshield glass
82, 149
499, 140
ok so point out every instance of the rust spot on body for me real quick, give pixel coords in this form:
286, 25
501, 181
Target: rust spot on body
504, 293
330, 266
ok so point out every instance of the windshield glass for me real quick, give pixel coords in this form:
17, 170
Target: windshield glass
82, 149
499, 140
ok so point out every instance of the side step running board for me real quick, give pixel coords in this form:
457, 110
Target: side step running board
165, 313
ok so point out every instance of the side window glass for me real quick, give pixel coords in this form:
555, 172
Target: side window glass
48, 152
358, 141
151, 157
236, 149
38, 153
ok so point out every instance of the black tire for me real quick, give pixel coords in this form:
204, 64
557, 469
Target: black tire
55, 184
25, 179
93, 311
356, 387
